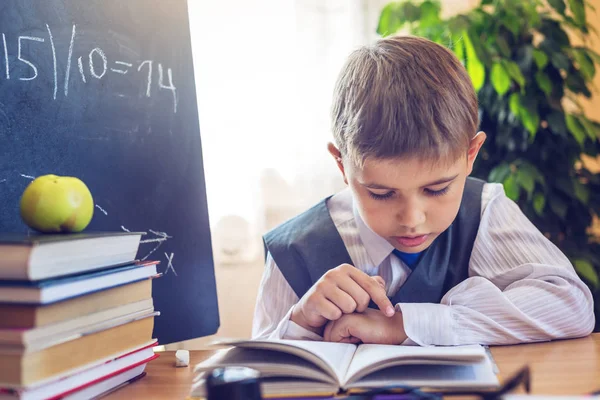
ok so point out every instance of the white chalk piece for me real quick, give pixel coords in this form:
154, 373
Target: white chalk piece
182, 358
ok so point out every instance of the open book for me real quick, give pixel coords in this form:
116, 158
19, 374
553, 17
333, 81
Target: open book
296, 367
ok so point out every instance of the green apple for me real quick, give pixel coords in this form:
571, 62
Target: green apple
53, 203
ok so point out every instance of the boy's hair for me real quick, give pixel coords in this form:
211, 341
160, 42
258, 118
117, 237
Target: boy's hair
404, 96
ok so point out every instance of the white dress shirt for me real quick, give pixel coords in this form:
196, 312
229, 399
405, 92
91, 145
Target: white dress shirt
521, 288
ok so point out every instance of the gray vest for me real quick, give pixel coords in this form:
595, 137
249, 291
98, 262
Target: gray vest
307, 246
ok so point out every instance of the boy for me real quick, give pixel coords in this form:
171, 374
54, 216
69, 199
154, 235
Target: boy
441, 258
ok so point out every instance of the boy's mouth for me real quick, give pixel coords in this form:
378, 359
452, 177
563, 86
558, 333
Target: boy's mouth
411, 241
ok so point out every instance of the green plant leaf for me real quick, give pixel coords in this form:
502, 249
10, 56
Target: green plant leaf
575, 128
389, 20
544, 82
534, 18
593, 55
586, 270
556, 122
409, 11
578, 9
534, 172
597, 126
586, 64
474, 66
430, 14
582, 192
558, 206
576, 83
503, 46
571, 23
592, 131
457, 45
525, 179
541, 59
458, 24
530, 118
499, 173
539, 202
514, 103
560, 61
553, 31
558, 5
511, 188
515, 72
500, 79
513, 25
549, 46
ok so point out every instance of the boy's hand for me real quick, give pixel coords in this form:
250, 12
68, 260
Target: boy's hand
342, 290
370, 326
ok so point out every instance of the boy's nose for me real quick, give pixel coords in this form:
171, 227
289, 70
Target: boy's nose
411, 217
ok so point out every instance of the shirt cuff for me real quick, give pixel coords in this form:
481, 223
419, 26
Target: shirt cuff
427, 324
288, 329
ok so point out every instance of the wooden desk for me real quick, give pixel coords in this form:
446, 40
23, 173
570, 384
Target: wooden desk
561, 367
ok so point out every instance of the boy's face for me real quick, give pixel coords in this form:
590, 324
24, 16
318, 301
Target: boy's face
409, 202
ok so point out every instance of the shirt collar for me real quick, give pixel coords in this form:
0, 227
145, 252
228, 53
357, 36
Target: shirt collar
377, 247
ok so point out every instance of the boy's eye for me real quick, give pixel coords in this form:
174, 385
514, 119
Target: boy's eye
384, 196
441, 192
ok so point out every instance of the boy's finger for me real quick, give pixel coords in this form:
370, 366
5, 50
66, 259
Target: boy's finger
379, 280
376, 292
360, 296
336, 332
342, 300
327, 332
328, 310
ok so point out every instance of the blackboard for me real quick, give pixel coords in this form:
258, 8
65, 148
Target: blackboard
104, 90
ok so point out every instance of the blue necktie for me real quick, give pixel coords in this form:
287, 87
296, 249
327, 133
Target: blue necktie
410, 259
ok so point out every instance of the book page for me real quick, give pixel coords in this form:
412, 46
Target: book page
469, 376
332, 358
270, 364
369, 358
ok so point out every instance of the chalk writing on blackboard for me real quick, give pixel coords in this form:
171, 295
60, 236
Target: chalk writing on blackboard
160, 238
101, 209
7, 69
170, 263
98, 65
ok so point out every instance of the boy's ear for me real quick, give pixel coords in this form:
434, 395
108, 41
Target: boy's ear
337, 156
474, 148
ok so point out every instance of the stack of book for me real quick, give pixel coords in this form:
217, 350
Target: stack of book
76, 314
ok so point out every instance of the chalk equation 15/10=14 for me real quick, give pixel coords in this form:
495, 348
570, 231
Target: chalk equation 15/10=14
94, 64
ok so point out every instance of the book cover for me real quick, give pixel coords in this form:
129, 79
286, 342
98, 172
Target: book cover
43, 238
